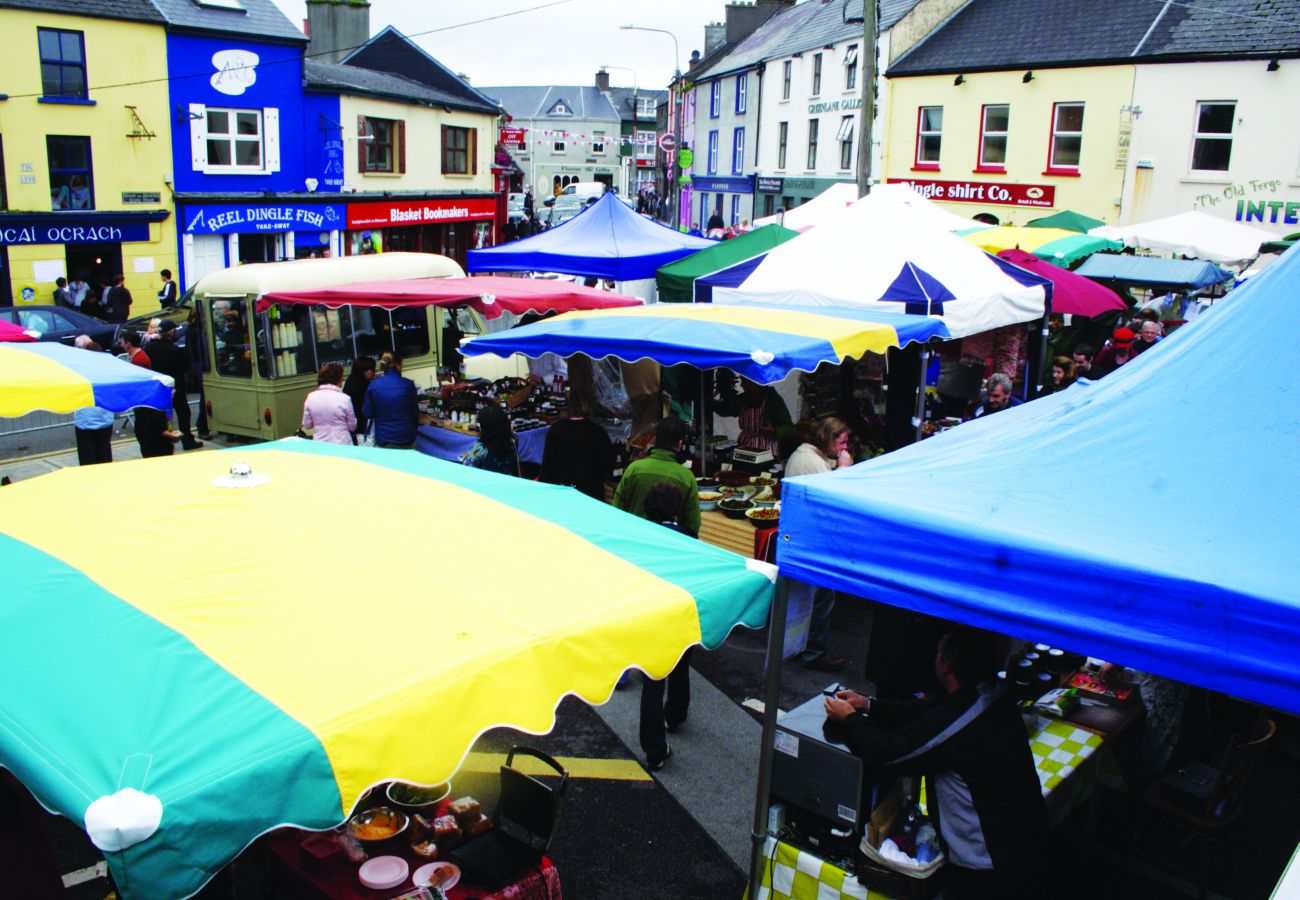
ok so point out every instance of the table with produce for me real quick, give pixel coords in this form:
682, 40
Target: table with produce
448, 422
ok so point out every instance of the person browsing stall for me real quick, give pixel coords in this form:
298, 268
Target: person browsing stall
578, 451
997, 396
659, 466
327, 412
391, 403
363, 372
971, 746
494, 451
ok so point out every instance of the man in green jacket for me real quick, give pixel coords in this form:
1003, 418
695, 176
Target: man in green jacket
661, 465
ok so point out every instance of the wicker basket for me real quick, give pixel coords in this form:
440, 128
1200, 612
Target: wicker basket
875, 873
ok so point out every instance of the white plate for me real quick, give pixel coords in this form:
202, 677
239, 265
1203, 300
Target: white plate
384, 872
424, 875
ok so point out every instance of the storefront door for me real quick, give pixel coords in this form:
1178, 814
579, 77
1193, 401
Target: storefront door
258, 248
6, 292
96, 263
207, 254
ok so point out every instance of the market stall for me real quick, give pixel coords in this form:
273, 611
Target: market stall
682, 281
1153, 272
1193, 234
1211, 598
1067, 219
809, 215
606, 240
1072, 294
178, 718
54, 378
1054, 245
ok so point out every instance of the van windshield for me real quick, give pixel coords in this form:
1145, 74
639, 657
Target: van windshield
230, 332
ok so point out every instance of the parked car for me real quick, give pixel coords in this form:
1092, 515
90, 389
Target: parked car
559, 214
58, 323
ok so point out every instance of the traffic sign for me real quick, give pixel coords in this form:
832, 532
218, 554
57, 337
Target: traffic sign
668, 142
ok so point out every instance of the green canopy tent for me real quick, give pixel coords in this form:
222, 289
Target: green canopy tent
1281, 245
1067, 220
676, 280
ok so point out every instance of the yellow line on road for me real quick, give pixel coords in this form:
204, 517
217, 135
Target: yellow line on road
578, 767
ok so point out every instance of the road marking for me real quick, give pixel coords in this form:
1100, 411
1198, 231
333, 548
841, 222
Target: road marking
81, 876
577, 767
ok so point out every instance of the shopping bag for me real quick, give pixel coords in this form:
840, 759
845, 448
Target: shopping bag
798, 615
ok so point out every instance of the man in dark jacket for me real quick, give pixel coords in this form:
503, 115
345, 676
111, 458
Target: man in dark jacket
578, 451
119, 300
168, 357
391, 403
971, 746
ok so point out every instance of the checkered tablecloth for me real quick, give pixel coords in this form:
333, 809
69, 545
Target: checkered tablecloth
791, 874
1059, 749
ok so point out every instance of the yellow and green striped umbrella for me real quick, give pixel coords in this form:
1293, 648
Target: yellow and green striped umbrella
1054, 245
362, 615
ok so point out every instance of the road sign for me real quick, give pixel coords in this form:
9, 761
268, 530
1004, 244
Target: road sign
668, 142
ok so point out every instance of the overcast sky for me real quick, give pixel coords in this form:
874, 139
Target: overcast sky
561, 44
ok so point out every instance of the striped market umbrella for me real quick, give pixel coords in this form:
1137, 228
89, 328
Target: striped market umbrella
761, 342
1054, 245
178, 713
58, 379
11, 333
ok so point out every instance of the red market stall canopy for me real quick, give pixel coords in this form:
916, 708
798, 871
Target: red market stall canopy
489, 295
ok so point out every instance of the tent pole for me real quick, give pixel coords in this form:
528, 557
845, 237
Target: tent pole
1044, 331
706, 382
771, 701
918, 418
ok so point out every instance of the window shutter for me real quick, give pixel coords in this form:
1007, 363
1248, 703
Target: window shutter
473, 150
401, 146
361, 145
198, 137
442, 147
271, 138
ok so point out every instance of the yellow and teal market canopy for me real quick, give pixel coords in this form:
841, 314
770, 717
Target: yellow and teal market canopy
1054, 245
351, 615
59, 379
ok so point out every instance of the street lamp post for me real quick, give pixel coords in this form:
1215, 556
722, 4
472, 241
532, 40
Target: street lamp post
669, 196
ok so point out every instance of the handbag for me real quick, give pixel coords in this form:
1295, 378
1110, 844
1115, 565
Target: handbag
367, 437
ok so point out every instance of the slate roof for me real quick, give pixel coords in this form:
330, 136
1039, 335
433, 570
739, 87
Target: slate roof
356, 80
258, 18
806, 26
392, 51
623, 101
535, 101
987, 35
130, 10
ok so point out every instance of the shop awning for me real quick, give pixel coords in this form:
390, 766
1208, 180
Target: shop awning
50, 377
1184, 274
678, 281
605, 240
490, 295
272, 678
1054, 245
1180, 560
762, 343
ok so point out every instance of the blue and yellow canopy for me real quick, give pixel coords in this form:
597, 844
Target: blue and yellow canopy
59, 379
762, 342
363, 615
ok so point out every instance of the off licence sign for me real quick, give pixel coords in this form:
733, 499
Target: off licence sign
992, 192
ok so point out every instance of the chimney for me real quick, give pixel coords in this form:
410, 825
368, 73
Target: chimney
743, 19
695, 59
336, 27
715, 35
602, 81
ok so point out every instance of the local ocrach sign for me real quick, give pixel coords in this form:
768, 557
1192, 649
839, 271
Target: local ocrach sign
994, 193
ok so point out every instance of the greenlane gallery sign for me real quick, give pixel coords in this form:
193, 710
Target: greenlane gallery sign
835, 106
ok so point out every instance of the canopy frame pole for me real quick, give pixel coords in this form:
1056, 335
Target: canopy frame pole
918, 415
1044, 331
771, 701
706, 388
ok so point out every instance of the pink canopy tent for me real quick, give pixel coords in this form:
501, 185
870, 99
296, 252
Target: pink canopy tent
1071, 293
13, 333
489, 295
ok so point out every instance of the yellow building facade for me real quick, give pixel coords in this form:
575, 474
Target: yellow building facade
1016, 145
85, 135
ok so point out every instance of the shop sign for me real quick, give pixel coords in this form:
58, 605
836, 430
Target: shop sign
141, 197
274, 218
420, 212
72, 233
645, 163
514, 137
768, 185
726, 185
801, 184
1033, 195
835, 106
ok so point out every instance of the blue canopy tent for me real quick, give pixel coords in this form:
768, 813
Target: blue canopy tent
1189, 572
1151, 271
605, 240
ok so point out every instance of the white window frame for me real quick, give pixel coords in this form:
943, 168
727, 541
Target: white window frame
851, 67
645, 106
1198, 135
921, 134
715, 99
598, 142
268, 120
816, 75
560, 142
645, 143
787, 77
1052, 164
814, 135
738, 151
782, 144
712, 161
845, 138
742, 92
735, 209
986, 132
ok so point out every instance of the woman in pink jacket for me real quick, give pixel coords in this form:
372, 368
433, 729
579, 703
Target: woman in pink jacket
327, 412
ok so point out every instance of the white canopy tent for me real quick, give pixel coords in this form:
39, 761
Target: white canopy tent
1195, 234
816, 211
